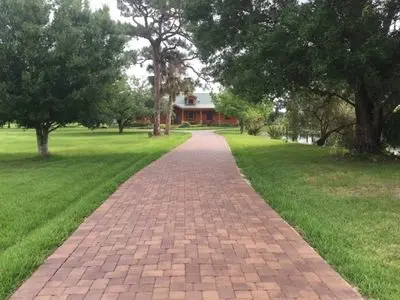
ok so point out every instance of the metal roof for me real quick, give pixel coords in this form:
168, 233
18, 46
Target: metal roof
203, 101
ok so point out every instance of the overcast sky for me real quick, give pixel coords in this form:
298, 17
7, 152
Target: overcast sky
137, 71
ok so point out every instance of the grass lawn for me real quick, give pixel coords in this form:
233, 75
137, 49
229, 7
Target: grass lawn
43, 200
348, 210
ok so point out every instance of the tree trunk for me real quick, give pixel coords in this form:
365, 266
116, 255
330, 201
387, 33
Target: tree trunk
8, 125
157, 89
325, 134
120, 126
322, 140
241, 124
171, 101
369, 121
42, 138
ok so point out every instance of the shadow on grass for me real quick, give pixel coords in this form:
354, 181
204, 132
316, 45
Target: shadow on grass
296, 152
24, 160
79, 133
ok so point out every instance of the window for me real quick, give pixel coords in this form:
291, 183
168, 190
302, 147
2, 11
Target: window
227, 118
190, 100
209, 116
191, 115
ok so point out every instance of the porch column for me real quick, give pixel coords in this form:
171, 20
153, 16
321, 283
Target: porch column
182, 116
219, 119
201, 117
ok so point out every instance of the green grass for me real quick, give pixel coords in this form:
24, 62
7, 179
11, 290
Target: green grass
348, 210
43, 200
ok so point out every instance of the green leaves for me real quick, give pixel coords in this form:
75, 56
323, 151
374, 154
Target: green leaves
391, 130
349, 49
56, 58
124, 101
55, 68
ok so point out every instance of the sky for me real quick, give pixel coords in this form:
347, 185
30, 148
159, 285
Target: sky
137, 71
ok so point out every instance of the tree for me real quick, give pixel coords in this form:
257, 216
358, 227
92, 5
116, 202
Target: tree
173, 82
254, 119
160, 23
322, 114
56, 57
125, 101
175, 85
149, 107
231, 105
346, 49
391, 130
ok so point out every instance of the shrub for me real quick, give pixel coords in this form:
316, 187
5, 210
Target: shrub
253, 120
347, 138
185, 125
162, 126
276, 132
391, 130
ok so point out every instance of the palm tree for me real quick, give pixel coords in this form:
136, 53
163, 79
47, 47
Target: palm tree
175, 85
173, 82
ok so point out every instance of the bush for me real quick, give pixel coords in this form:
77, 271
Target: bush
162, 126
391, 130
347, 138
253, 120
276, 132
185, 125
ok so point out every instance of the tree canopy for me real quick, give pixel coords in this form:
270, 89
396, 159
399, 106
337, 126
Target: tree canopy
251, 116
346, 49
56, 58
160, 22
124, 102
231, 105
308, 113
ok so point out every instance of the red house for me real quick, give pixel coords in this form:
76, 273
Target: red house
199, 109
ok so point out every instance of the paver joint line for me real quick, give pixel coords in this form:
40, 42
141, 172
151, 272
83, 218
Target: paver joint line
186, 227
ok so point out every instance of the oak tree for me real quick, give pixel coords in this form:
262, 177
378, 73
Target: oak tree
346, 49
55, 57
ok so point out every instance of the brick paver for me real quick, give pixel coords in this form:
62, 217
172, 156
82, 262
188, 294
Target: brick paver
186, 227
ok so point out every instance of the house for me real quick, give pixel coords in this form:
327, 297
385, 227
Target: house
199, 109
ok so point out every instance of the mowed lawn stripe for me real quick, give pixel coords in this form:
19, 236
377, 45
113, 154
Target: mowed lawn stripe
72, 193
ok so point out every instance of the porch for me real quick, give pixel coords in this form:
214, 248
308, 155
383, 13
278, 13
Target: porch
201, 116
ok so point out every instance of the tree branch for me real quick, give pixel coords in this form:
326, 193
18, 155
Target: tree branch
393, 8
142, 61
199, 74
54, 128
332, 94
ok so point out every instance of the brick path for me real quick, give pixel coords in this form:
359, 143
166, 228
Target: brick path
186, 227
